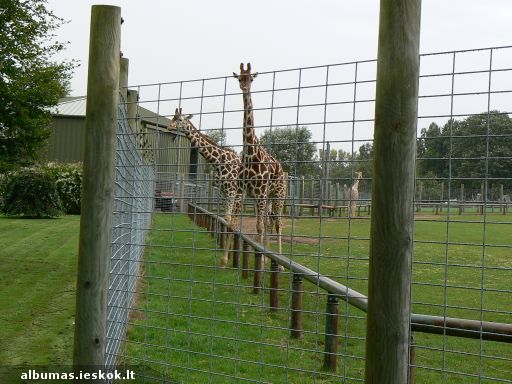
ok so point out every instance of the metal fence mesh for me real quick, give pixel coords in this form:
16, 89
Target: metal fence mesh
132, 212
195, 322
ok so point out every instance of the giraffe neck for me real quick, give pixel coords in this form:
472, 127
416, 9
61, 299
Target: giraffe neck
356, 185
250, 138
206, 146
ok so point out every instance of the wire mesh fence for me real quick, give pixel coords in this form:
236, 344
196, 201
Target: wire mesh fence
192, 321
132, 215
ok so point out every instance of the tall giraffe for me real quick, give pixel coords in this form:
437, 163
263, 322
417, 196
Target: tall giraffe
352, 194
227, 166
262, 176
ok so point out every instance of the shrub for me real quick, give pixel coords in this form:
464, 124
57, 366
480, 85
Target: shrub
68, 181
31, 192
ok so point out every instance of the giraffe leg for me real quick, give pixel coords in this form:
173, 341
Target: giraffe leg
228, 237
262, 222
277, 211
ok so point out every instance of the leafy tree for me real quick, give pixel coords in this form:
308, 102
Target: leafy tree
30, 81
343, 165
470, 149
217, 135
292, 146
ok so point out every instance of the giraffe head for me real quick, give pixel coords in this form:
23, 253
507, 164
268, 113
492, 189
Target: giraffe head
359, 175
245, 77
180, 123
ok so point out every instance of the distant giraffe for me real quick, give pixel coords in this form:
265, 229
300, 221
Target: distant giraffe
262, 176
352, 195
227, 166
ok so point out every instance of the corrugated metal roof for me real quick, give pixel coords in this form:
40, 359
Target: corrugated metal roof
70, 106
76, 106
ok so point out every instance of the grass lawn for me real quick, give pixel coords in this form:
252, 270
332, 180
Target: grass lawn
197, 323
200, 324
37, 290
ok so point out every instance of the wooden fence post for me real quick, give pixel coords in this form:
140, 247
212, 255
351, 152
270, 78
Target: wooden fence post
274, 286
97, 188
236, 250
331, 333
412, 359
296, 321
392, 219
245, 260
211, 178
258, 271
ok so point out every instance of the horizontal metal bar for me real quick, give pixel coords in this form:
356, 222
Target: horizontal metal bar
473, 329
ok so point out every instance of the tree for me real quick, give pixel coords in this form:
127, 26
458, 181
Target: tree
292, 146
470, 149
30, 82
217, 135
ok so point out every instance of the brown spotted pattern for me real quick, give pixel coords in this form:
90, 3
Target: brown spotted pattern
262, 176
227, 165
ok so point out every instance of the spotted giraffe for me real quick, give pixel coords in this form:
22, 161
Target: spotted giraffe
262, 176
227, 166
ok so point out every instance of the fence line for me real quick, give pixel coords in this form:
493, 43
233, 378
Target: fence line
193, 324
131, 223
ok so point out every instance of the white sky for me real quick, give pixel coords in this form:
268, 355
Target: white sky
193, 39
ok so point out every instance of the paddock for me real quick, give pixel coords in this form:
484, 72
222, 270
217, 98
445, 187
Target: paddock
422, 269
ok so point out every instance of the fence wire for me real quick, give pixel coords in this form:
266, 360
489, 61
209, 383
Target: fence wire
195, 322
132, 212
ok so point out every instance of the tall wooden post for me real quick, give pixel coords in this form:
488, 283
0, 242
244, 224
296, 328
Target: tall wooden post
97, 188
391, 232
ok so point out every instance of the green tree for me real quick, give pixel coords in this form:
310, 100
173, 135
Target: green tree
30, 81
217, 135
473, 148
292, 146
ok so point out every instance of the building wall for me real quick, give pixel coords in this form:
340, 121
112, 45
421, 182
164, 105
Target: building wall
172, 153
66, 142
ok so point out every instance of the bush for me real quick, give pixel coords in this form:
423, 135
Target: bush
30, 192
68, 181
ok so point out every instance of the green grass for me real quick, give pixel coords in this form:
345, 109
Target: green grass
37, 290
201, 324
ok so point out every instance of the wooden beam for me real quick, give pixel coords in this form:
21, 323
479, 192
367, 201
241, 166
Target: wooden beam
391, 232
98, 186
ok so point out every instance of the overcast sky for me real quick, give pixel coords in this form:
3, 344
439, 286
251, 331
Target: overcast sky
189, 39
168, 41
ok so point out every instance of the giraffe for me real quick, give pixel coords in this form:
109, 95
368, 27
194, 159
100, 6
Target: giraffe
352, 194
227, 166
262, 176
